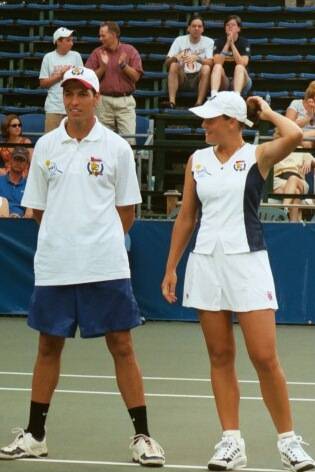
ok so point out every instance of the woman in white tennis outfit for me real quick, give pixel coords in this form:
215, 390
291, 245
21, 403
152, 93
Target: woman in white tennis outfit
228, 269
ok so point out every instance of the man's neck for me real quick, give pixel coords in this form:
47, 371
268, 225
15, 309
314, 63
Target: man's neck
194, 40
113, 47
79, 130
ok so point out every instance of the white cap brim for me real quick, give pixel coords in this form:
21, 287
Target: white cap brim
205, 113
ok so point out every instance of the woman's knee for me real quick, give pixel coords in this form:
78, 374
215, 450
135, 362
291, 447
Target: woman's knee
297, 183
265, 361
222, 357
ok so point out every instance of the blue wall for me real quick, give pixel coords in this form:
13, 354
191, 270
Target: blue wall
291, 251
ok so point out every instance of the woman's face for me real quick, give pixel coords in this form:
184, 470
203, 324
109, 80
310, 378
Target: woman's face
215, 129
15, 127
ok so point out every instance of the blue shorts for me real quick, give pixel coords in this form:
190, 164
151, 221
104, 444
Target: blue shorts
97, 308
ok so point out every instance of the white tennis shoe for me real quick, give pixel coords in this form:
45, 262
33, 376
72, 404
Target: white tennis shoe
146, 451
293, 456
229, 454
24, 445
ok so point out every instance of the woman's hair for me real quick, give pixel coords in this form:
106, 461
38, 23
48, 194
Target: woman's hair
310, 91
6, 124
233, 17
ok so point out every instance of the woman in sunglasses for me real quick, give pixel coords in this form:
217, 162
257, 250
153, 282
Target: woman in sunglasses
11, 128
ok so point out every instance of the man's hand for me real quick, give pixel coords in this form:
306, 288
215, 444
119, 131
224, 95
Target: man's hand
122, 58
103, 58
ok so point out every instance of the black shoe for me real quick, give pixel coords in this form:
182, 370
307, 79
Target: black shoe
168, 104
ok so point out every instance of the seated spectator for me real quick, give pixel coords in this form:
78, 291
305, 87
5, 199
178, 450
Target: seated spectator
303, 113
231, 58
4, 207
289, 177
189, 62
11, 128
12, 184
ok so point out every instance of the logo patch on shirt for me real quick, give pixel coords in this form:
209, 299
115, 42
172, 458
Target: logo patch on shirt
95, 166
52, 168
269, 295
201, 171
239, 165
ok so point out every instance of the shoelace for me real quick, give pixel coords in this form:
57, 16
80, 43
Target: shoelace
151, 443
295, 449
226, 444
21, 433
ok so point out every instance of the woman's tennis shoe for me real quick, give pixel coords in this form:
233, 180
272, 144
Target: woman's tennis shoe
229, 454
293, 456
24, 445
146, 451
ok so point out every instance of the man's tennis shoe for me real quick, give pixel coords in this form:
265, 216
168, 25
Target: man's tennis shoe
293, 456
146, 451
229, 454
24, 445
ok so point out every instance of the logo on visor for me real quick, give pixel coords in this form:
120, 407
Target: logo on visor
239, 165
77, 71
95, 166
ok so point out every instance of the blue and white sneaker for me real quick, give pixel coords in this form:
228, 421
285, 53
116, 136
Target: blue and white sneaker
229, 454
146, 451
293, 456
23, 446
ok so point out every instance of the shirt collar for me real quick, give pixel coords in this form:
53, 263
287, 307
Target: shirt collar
94, 135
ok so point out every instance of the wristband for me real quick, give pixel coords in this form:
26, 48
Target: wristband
223, 53
123, 65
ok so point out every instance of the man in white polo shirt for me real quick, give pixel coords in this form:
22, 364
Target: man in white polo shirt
54, 65
83, 188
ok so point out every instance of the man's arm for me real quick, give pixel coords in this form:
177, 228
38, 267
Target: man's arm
127, 216
37, 215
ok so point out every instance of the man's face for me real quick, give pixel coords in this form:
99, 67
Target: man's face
107, 38
195, 29
18, 164
79, 101
64, 44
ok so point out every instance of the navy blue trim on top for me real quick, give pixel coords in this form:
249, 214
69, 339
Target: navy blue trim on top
252, 196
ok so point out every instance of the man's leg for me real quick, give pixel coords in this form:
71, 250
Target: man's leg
145, 450
203, 87
45, 379
175, 80
106, 113
240, 78
52, 121
125, 111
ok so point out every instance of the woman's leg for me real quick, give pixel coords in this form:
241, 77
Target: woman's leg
259, 332
218, 333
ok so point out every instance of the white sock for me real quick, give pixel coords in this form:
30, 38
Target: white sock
238, 93
214, 92
236, 433
288, 434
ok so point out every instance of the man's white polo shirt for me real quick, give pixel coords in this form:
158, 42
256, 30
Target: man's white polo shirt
79, 185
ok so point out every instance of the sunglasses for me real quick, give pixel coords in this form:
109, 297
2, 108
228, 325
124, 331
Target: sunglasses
16, 125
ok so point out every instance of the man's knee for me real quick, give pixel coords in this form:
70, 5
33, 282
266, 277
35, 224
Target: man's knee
120, 344
50, 346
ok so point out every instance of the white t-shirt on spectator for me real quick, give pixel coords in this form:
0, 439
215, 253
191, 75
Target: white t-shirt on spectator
53, 61
203, 49
78, 184
298, 106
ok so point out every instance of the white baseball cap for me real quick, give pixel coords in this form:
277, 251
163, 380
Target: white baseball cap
86, 76
61, 33
224, 103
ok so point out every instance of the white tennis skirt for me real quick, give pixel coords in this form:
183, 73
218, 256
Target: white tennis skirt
234, 282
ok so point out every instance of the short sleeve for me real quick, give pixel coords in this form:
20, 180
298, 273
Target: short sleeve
218, 46
175, 48
35, 193
126, 183
92, 61
44, 69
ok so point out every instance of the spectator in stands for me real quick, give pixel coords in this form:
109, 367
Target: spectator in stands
118, 67
12, 184
289, 177
189, 62
228, 270
11, 128
303, 113
4, 208
231, 58
54, 65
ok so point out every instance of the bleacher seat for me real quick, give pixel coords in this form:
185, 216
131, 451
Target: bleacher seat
33, 125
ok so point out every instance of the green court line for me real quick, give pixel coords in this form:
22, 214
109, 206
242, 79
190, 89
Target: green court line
167, 395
